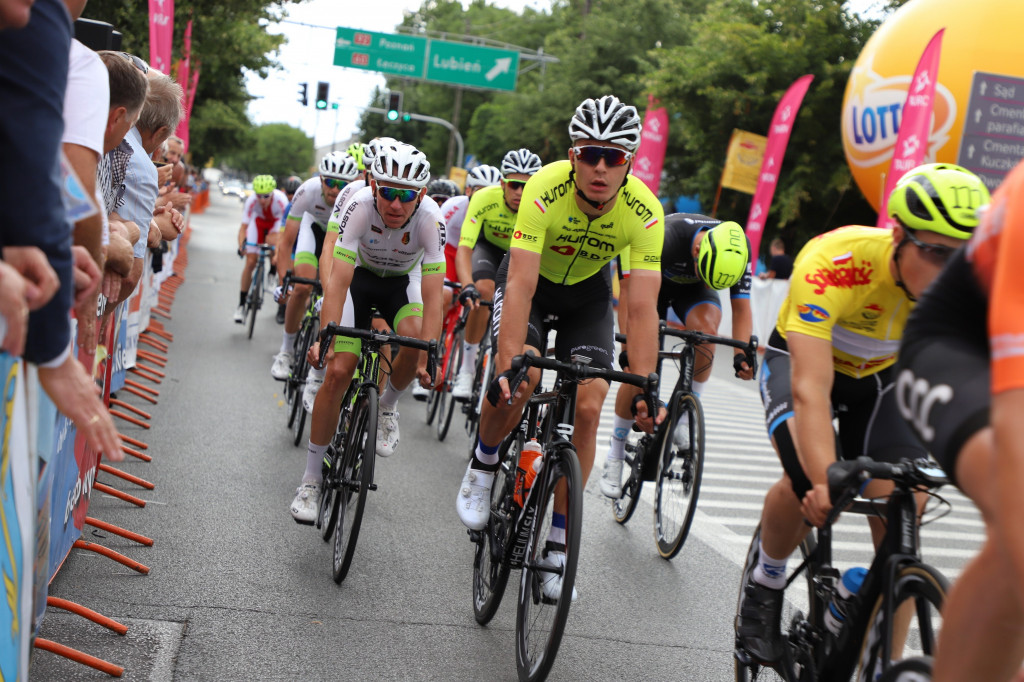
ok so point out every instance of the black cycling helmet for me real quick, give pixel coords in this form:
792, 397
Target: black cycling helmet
292, 184
441, 189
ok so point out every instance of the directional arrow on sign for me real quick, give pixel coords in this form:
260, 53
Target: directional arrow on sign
970, 152
500, 66
977, 115
984, 87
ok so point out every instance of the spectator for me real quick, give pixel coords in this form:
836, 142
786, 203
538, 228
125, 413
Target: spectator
781, 265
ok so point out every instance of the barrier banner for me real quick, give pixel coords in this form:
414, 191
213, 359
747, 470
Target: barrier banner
650, 157
17, 521
119, 347
42, 417
915, 124
161, 34
775, 150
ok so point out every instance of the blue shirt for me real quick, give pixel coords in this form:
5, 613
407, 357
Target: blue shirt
141, 190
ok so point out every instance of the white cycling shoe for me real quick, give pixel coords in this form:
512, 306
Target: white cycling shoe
473, 503
306, 504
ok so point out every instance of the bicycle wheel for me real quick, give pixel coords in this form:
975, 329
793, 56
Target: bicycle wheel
446, 403
746, 668
490, 566
435, 393
255, 295
540, 621
917, 669
361, 446
331, 492
921, 585
678, 480
623, 508
308, 335
481, 380
296, 374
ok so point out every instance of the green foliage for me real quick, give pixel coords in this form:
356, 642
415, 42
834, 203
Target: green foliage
276, 149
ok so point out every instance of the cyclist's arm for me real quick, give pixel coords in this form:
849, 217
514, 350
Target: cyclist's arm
812, 377
1008, 433
643, 332
523, 269
335, 292
241, 236
432, 291
464, 264
284, 247
742, 326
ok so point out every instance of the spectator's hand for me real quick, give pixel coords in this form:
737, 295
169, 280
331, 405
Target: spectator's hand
87, 275
178, 220
163, 175
153, 238
76, 395
180, 200
111, 286
31, 263
14, 308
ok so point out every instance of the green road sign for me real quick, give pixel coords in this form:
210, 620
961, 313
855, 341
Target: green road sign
393, 53
472, 65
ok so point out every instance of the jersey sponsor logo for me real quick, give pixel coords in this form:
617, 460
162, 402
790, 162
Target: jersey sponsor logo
564, 250
499, 235
843, 259
574, 219
406, 237
650, 224
592, 242
637, 206
916, 398
538, 204
525, 237
652, 259
555, 193
847, 276
374, 228
483, 210
872, 311
812, 313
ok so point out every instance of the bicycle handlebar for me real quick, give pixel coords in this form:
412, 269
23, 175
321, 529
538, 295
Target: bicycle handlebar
846, 478
380, 338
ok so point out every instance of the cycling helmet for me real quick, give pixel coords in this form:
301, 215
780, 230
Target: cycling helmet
339, 165
292, 184
371, 150
483, 176
939, 197
723, 255
520, 161
442, 188
355, 150
401, 163
606, 119
264, 184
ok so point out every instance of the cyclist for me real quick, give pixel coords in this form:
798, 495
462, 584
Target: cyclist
389, 257
701, 256
576, 216
959, 381
306, 229
261, 213
441, 190
453, 211
831, 355
492, 213
290, 187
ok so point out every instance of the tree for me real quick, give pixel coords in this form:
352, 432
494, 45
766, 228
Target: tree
276, 149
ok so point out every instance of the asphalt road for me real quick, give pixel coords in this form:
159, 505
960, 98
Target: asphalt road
238, 591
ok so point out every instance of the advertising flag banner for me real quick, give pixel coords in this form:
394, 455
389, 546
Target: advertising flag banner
650, 157
161, 34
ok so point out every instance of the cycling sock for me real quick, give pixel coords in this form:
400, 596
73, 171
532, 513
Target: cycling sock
314, 463
241, 297
770, 572
620, 429
557, 532
389, 397
318, 373
288, 342
486, 457
469, 352
698, 387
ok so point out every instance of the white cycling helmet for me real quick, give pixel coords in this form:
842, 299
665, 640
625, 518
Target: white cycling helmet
402, 164
483, 176
520, 161
372, 148
606, 119
339, 165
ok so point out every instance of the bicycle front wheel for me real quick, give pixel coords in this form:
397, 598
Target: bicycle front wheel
491, 567
540, 617
255, 296
307, 335
917, 586
623, 508
680, 466
482, 379
357, 472
434, 395
446, 400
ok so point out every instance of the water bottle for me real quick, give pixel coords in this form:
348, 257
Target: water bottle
837, 611
530, 462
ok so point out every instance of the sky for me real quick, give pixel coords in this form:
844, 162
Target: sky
308, 57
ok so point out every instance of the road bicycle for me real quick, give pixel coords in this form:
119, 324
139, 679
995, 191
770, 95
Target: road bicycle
440, 401
514, 537
349, 460
673, 456
254, 298
307, 335
483, 373
867, 639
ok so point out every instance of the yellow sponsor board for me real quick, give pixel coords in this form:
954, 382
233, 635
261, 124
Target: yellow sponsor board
743, 161
982, 35
458, 176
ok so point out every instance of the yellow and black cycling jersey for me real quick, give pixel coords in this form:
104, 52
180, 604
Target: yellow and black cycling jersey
572, 246
489, 216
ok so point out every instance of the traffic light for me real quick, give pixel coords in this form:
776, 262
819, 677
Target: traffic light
394, 105
321, 95
303, 93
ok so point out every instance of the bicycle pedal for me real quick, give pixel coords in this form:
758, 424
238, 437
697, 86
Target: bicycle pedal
372, 486
475, 535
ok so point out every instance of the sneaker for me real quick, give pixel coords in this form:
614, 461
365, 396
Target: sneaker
758, 625
551, 583
463, 387
387, 432
474, 499
306, 504
240, 314
418, 392
313, 385
282, 366
279, 318
611, 479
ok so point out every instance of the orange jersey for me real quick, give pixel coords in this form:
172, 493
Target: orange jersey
994, 253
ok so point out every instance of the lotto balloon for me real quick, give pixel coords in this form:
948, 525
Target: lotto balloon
982, 35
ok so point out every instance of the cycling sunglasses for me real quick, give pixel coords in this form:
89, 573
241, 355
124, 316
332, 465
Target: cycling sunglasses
334, 183
515, 184
937, 254
613, 156
263, 196
389, 194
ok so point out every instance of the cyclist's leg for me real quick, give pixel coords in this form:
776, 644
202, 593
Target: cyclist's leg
305, 266
251, 253
486, 260
703, 315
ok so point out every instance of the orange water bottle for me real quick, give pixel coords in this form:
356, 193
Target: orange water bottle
530, 461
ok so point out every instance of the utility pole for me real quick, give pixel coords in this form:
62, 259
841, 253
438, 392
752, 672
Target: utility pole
456, 113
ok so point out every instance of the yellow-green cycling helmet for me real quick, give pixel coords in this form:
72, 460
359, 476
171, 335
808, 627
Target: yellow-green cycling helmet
355, 150
939, 197
264, 184
723, 255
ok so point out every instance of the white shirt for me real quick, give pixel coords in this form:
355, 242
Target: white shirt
87, 99
309, 198
453, 211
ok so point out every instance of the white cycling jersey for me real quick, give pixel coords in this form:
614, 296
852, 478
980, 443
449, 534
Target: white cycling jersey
453, 211
364, 240
309, 198
344, 195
